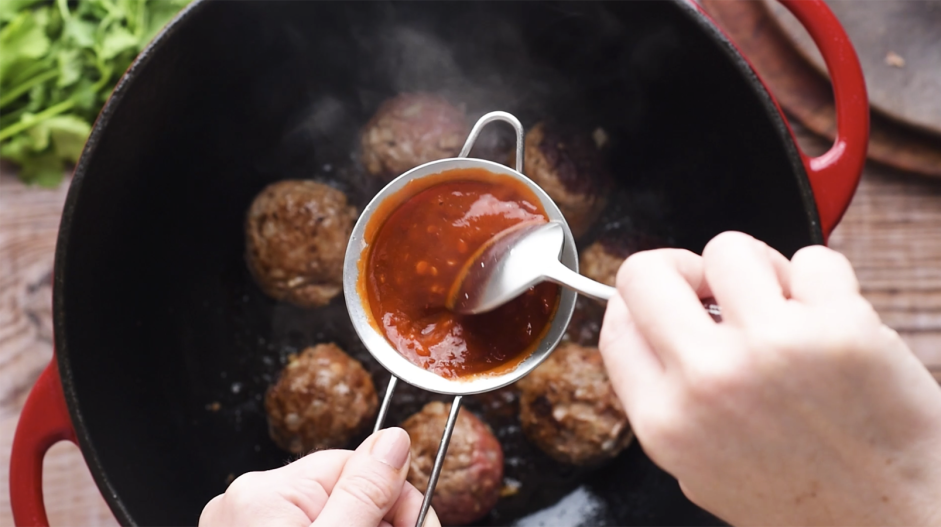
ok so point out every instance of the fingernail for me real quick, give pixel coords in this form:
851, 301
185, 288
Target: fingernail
391, 447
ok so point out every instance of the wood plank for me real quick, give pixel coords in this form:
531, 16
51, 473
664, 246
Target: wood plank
892, 235
29, 221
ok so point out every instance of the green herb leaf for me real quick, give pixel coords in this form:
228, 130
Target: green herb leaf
161, 13
23, 38
80, 32
18, 149
68, 134
59, 61
65, 133
70, 66
9, 9
85, 97
117, 41
44, 169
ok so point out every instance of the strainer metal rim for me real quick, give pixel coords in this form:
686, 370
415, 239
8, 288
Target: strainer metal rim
377, 344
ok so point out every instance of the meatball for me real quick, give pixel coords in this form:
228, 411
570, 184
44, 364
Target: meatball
295, 235
409, 130
472, 475
569, 167
323, 399
601, 260
569, 410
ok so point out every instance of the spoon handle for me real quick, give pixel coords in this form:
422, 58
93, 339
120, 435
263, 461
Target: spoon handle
562, 275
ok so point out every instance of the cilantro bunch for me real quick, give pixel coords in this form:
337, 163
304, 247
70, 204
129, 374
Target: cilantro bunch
59, 61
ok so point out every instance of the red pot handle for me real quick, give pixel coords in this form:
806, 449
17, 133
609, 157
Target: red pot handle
44, 422
835, 174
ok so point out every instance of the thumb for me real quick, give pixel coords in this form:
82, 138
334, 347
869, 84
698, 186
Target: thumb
370, 483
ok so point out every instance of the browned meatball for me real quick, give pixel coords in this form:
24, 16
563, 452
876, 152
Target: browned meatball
409, 130
569, 167
472, 475
569, 410
295, 235
323, 399
601, 260
597, 263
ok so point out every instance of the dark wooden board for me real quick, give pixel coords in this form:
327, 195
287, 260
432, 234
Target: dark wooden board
899, 48
806, 94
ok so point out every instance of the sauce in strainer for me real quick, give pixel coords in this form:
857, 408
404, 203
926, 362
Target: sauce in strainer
415, 255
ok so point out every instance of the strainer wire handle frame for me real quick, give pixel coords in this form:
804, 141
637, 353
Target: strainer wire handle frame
489, 118
456, 404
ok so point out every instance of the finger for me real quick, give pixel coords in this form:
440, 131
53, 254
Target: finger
324, 466
405, 512
748, 279
370, 483
820, 275
661, 289
210, 514
259, 498
309, 481
633, 367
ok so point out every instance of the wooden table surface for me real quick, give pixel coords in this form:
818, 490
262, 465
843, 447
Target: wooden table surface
891, 233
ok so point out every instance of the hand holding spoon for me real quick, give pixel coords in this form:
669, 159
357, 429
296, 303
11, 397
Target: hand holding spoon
515, 260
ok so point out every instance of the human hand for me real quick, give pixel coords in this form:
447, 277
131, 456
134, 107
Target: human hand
364, 488
800, 408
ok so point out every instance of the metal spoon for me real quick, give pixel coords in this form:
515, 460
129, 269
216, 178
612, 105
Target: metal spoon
513, 261
518, 258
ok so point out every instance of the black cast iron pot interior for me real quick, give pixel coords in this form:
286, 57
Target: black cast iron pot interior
157, 318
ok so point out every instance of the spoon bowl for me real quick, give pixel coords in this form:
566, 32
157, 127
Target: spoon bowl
513, 261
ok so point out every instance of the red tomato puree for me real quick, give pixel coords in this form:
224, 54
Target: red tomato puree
415, 255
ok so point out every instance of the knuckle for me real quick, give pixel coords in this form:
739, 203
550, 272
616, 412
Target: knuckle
369, 487
690, 494
245, 485
652, 428
638, 266
662, 429
634, 265
211, 510
727, 241
811, 252
820, 253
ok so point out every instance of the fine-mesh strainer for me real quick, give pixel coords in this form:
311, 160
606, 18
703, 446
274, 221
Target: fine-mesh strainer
392, 360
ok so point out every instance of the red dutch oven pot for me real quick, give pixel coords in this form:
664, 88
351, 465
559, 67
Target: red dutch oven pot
156, 317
